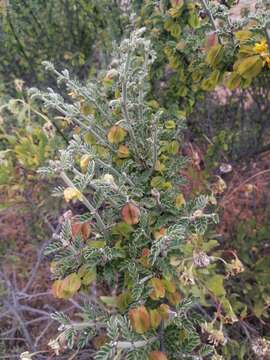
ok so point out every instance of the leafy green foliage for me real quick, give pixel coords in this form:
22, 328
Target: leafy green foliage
68, 32
163, 289
145, 243
24, 142
202, 48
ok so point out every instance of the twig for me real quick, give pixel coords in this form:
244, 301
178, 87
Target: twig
242, 324
23, 327
161, 336
155, 145
124, 105
72, 85
20, 45
12, 339
210, 15
27, 297
114, 171
135, 344
74, 355
267, 33
225, 200
43, 332
8, 332
33, 310
76, 304
35, 268
75, 119
87, 203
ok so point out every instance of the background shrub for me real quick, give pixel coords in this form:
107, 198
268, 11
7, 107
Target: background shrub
69, 33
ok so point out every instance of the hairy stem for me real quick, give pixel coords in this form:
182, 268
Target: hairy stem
114, 171
210, 15
267, 33
135, 344
79, 90
87, 203
155, 145
124, 106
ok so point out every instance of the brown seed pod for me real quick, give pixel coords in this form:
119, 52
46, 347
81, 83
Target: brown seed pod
116, 134
140, 319
157, 355
130, 213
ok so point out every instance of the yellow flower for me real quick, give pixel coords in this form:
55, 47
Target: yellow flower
84, 161
261, 47
72, 194
179, 201
108, 179
235, 267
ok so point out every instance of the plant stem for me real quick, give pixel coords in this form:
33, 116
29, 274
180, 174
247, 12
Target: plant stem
161, 336
155, 147
134, 345
86, 202
210, 15
267, 33
73, 85
43, 116
124, 106
229, 197
118, 344
114, 171
88, 128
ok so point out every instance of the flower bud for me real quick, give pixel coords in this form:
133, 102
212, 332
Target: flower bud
85, 159
72, 194
108, 179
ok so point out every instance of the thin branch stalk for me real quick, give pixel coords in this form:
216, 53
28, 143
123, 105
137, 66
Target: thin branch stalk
267, 33
124, 105
86, 202
155, 145
210, 15
134, 345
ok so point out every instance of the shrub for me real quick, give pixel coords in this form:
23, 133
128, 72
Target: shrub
137, 249
201, 47
70, 33
28, 138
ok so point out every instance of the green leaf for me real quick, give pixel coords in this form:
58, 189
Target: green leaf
243, 35
215, 55
122, 229
227, 307
211, 82
89, 277
250, 67
194, 20
209, 245
233, 81
175, 30
109, 300
215, 285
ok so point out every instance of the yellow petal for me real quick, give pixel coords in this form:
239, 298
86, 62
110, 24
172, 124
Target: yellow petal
72, 194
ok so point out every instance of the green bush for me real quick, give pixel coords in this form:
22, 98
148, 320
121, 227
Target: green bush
27, 140
70, 33
200, 47
156, 283
139, 252
75, 34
